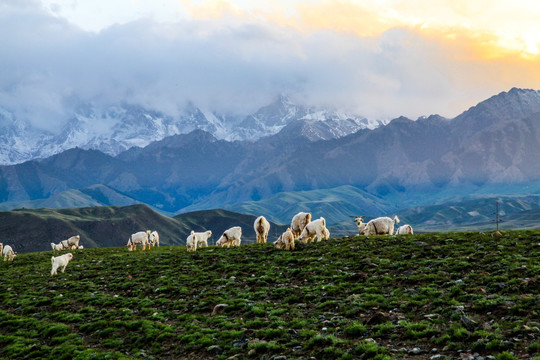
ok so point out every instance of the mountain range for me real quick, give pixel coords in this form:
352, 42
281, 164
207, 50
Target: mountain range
114, 129
489, 150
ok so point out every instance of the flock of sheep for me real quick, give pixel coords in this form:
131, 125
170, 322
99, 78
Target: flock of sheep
302, 228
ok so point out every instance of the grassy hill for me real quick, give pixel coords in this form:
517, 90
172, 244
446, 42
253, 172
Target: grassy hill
475, 214
333, 204
105, 226
427, 296
95, 195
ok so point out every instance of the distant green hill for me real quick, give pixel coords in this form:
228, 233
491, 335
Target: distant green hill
333, 204
515, 212
95, 195
105, 226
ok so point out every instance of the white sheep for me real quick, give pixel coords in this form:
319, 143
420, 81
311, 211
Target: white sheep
154, 238
285, 240
57, 247
8, 253
326, 234
299, 222
197, 239
361, 225
315, 228
60, 262
191, 242
404, 230
231, 237
140, 238
73, 242
202, 238
381, 226
262, 227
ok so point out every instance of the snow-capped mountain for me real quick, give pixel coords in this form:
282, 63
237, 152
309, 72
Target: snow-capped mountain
325, 123
118, 128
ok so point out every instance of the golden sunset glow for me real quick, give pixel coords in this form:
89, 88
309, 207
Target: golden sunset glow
498, 28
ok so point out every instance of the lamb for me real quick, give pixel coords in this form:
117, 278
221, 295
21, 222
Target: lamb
8, 253
315, 228
404, 230
60, 262
299, 222
262, 227
197, 239
231, 237
139, 238
154, 238
361, 225
381, 226
57, 247
202, 238
285, 240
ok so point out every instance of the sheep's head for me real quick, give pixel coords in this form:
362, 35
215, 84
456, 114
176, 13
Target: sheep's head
221, 241
279, 244
326, 233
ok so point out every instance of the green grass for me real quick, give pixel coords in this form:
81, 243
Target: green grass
355, 298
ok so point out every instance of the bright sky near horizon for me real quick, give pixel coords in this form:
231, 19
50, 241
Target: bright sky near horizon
379, 58
500, 27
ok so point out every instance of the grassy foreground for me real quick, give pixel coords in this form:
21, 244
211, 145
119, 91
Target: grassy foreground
427, 296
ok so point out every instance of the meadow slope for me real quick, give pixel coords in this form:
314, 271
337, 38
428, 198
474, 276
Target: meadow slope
426, 296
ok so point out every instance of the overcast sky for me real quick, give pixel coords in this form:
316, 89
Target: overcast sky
380, 58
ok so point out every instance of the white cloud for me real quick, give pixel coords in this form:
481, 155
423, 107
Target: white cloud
48, 65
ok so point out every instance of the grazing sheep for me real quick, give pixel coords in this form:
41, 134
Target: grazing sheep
381, 226
191, 242
197, 239
285, 240
404, 230
154, 238
8, 253
73, 242
231, 237
262, 227
279, 244
315, 228
299, 222
361, 225
140, 238
57, 247
326, 234
60, 262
